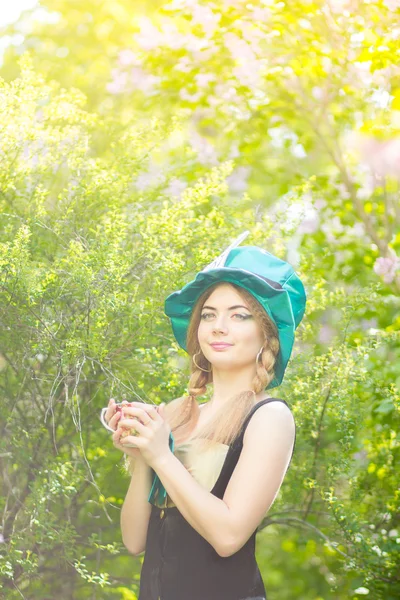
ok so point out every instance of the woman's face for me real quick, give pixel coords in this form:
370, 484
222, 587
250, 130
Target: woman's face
225, 317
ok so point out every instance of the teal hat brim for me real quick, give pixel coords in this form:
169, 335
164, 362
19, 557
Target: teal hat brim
273, 298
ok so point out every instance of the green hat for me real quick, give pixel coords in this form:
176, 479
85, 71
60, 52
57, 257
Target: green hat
272, 281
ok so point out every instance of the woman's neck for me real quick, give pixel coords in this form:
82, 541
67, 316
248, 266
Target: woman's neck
214, 403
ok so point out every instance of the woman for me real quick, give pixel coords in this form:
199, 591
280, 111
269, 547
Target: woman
204, 477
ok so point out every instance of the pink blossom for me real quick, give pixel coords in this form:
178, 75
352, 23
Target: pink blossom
205, 53
343, 191
387, 266
332, 229
310, 223
204, 16
320, 203
357, 230
362, 455
203, 79
367, 187
26, 151
338, 6
34, 152
237, 181
225, 92
326, 334
185, 95
184, 64
359, 74
39, 115
368, 323
382, 157
142, 80
118, 84
234, 151
152, 177
206, 153
192, 43
392, 5
248, 73
239, 49
176, 187
261, 15
172, 37
252, 34
318, 92
342, 256
381, 77
149, 37
127, 57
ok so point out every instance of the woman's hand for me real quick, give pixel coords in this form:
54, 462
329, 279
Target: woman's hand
152, 431
112, 416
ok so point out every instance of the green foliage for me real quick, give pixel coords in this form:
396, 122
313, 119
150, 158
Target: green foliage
136, 142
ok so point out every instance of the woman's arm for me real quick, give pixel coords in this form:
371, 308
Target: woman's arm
136, 509
206, 513
227, 524
135, 512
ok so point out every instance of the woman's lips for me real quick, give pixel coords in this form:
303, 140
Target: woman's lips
220, 346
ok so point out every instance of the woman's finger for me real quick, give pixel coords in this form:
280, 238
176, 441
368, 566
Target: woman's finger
111, 408
153, 412
131, 439
134, 424
129, 450
113, 422
142, 413
129, 423
145, 406
117, 436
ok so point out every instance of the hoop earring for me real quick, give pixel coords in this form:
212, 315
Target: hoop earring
261, 349
205, 370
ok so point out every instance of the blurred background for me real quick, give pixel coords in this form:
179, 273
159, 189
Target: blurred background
137, 140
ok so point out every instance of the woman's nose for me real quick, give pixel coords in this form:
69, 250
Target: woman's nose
220, 324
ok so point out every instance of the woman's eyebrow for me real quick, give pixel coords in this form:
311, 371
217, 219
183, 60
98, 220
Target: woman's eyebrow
231, 308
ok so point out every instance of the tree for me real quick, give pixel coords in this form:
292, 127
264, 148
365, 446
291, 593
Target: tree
270, 120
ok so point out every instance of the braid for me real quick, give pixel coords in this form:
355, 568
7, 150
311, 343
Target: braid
265, 366
266, 363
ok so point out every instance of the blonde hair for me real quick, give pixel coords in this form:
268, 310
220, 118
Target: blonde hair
183, 413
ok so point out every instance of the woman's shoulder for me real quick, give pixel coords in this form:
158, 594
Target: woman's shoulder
270, 406
268, 412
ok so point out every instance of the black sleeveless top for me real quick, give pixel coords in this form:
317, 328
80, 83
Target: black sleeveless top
179, 564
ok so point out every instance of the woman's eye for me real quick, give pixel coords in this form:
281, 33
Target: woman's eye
242, 317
